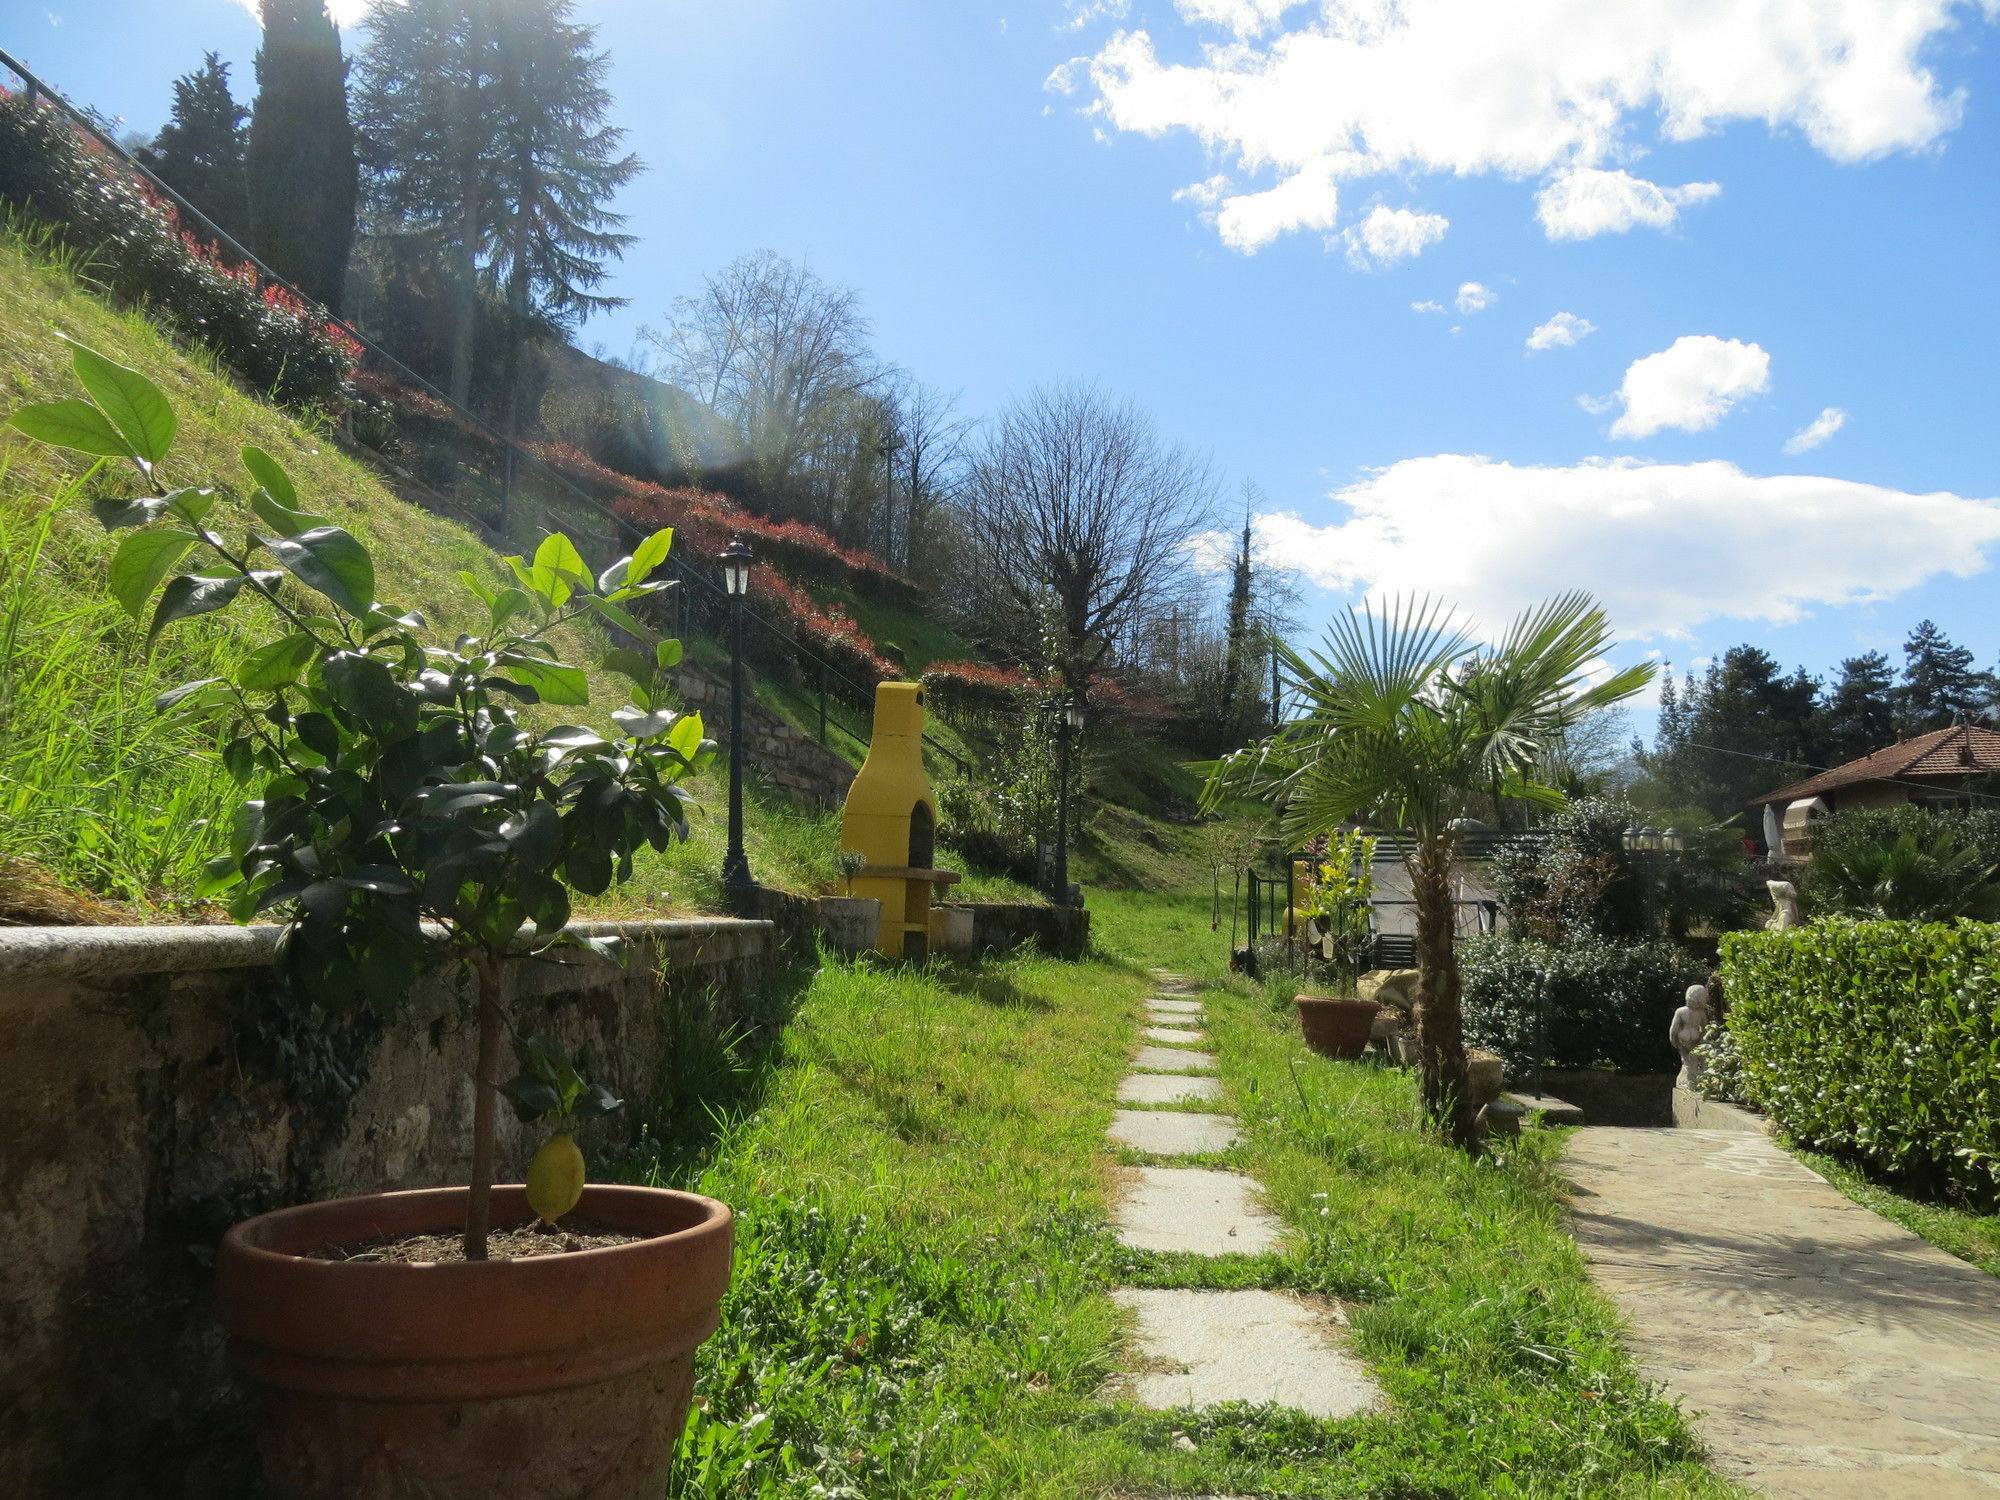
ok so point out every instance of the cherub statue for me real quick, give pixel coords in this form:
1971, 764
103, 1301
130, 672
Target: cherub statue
1690, 1025
1785, 901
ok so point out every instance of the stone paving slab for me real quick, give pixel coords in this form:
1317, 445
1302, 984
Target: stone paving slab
1173, 1132
1174, 1037
1184, 1007
1195, 1209
1173, 1060
1167, 1088
1204, 1348
1824, 1351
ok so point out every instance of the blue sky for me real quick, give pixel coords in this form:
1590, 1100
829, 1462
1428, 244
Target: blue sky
1024, 194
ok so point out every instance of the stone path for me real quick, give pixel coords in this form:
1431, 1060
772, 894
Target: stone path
1825, 1352
1200, 1348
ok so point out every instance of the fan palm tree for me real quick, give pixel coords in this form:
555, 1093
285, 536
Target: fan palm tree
1408, 723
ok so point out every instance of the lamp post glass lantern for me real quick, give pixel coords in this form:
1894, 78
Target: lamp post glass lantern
736, 880
1067, 727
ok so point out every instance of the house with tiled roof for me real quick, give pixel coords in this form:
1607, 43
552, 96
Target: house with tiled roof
1947, 767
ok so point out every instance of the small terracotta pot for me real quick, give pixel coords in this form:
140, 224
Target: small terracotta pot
1336, 1027
558, 1377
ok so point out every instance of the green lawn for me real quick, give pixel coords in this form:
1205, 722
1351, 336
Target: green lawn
921, 1307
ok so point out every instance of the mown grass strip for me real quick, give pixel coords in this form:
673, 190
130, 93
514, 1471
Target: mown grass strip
922, 1308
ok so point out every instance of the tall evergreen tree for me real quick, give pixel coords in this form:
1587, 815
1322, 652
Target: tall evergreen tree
1240, 675
199, 151
1858, 715
1742, 728
302, 172
1940, 685
484, 135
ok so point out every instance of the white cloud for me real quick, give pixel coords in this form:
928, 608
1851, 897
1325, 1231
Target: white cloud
1249, 221
1244, 17
1083, 12
1565, 91
1587, 201
1386, 236
1427, 307
1473, 297
1563, 331
1817, 431
1691, 384
1665, 546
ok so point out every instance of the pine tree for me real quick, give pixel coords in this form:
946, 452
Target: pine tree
485, 136
1742, 728
200, 149
1858, 716
302, 172
1940, 685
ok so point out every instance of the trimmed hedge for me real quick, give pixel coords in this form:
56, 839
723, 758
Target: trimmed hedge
134, 249
1601, 1002
1877, 1040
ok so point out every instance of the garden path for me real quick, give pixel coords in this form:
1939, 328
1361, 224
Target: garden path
1827, 1352
1199, 1348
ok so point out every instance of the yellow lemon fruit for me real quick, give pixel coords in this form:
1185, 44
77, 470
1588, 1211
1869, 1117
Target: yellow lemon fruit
555, 1178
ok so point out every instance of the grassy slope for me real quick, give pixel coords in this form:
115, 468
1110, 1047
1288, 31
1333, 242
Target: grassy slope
91, 786
921, 1301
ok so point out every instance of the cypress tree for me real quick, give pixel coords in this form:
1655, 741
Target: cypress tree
1239, 687
199, 151
302, 171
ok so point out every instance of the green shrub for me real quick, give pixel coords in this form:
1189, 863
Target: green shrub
1722, 1072
1879, 1041
135, 250
1600, 1002
1905, 864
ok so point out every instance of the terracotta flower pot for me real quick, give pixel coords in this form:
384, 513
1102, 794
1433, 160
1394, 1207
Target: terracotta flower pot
1336, 1027
557, 1377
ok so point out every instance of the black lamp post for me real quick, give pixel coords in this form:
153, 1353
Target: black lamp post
1067, 727
736, 882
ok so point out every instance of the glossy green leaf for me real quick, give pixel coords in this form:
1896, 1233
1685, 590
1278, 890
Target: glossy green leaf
73, 424
192, 594
648, 555
278, 519
142, 560
276, 663
667, 654
605, 610
269, 473
333, 562
552, 682
132, 403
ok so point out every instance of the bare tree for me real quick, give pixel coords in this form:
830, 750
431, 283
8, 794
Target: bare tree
1080, 520
784, 358
924, 448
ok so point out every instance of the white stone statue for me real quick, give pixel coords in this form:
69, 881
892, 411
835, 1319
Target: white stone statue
1689, 1026
1785, 901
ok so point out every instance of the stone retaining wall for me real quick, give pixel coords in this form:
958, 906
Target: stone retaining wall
1063, 931
157, 1085
793, 763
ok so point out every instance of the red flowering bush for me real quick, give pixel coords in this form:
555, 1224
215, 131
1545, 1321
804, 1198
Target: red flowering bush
138, 252
971, 688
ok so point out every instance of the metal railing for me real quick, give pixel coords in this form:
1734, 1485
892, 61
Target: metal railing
38, 91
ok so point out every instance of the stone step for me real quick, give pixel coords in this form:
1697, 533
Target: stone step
1184, 1007
1173, 1132
1201, 1349
1173, 1060
1172, 1037
1167, 1088
1553, 1111
1173, 1018
1197, 1210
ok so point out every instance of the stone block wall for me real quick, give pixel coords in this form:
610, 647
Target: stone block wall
1063, 931
795, 764
157, 1085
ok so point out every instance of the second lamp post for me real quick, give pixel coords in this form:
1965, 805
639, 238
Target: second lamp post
1067, 727
737, 885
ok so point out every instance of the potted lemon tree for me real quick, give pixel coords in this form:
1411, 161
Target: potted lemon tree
403, 812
